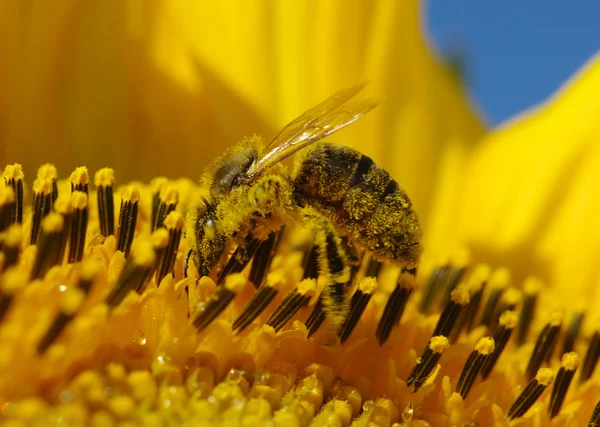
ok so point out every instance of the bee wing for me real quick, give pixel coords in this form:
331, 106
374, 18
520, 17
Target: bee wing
313, 125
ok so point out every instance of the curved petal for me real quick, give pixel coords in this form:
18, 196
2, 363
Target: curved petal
531, 193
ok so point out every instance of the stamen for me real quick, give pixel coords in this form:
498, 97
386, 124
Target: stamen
572, 332
71, 302
259, 301
79, 222
240, 258
160, 243
48, 171
80, 180
531, 393
458, 300
311, 269
12, 245
474, 283
531, 289
7, 207
234, 283
64, 206
498, 282
373, 268
127, 219
394, 308
483, 349
591, 358
157, 185
568, 366
316, 316
545, 344
41, 206
292, 303
174, 223
502, 333
104, 180
168, 200
433, 287
13, 177
263, 257
135, 274
427, 362
11, 282
595, 418
509, 301
48, 254
358, 303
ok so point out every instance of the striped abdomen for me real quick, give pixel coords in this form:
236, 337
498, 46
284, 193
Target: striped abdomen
361, 199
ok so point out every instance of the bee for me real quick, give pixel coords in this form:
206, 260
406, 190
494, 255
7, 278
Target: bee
334, 191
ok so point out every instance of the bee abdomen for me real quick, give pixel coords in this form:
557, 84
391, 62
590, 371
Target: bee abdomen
362, 198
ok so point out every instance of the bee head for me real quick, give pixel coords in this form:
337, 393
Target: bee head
232, 171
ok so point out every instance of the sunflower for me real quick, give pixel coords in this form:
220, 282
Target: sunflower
101, 324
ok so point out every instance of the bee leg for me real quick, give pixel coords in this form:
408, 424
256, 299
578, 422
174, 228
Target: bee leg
186, 263
333, 264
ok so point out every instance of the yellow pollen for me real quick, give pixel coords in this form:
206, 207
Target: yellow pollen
276, 279
143, 253
13, 172
160, 238
439, 344
174, 221
47, 171
460, 258
460, 295
71, 300
14, 235
7, 195
63, 205
512, 296
532, 285
570, 361
509, 319
42, 186
80, 176
131, 194
13, 280
235, 282
169, 196
105, 177
368, 285
158, 184
476, 279
89, 268
79, 200
307, 287
53, 223
485, 345
500, 278
544, 376
556, 318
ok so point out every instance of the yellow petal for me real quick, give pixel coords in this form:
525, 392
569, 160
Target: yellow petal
531, 194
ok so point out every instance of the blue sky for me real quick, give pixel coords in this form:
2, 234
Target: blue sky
518, 53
